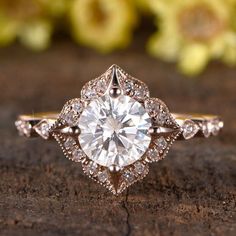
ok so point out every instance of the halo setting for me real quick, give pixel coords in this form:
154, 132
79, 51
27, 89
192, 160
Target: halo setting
115, 129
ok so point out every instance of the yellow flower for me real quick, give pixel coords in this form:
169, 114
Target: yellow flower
36, 35
102, 24
29, 21
193, 32
55, 8
142, 6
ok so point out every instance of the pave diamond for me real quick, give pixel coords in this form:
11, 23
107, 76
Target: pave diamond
161, 118
161, 143
114, 131
103, 176
91, 168
71, 110
128, 176
153, 155
69, 143
139, 167
77, 154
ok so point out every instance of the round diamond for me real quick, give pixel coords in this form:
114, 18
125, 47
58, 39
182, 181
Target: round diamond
114, 131
103, 176
153, 155
161, 143
91, 168
69, 143
128, 176
139, 167
77, 154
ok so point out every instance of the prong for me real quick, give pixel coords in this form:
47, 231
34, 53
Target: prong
114, 168
68, 130
159, 130
114, 79
114, 88
75, 130
153, 130
115, 92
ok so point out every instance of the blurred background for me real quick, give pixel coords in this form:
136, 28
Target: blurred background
184, 50
188, 33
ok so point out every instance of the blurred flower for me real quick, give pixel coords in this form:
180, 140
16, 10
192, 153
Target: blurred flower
143, 6
193, 32
103, 24
55, 8
36, 35
29, 21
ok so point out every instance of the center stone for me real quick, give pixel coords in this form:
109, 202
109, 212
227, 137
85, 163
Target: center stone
114, 131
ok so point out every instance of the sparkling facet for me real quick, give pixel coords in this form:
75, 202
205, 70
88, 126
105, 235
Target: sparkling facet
114, 131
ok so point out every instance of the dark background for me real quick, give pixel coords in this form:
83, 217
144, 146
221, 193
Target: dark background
191, 192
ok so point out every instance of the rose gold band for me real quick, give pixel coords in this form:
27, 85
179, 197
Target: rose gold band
205, 125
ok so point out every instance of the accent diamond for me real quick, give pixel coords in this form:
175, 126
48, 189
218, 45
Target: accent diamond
69, 143
91, 168
161, 118
190, 128
43, 127
71, 111
77, 154
103, 176
23, 127
161, 143
129, 176
139, 167
152, 107
153, 155
216, 125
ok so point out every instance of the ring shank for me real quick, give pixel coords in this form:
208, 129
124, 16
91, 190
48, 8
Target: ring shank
28, 124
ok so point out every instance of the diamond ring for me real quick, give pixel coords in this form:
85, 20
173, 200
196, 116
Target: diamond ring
115, 129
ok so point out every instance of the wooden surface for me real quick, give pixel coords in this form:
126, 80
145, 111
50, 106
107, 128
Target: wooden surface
191, 192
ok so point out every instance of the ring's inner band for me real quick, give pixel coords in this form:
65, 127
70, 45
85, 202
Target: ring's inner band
180, 118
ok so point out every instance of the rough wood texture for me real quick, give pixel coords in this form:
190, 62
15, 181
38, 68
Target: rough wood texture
191, 192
